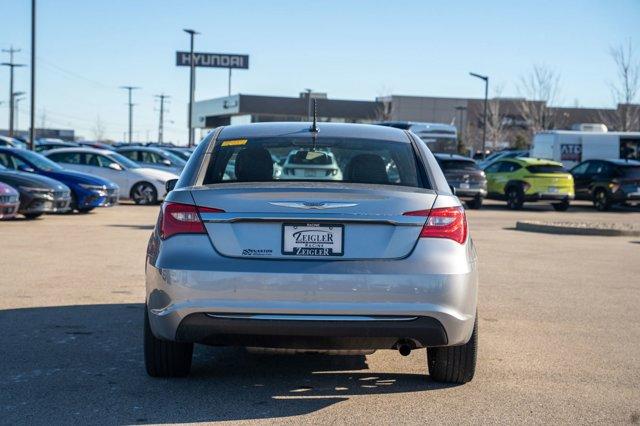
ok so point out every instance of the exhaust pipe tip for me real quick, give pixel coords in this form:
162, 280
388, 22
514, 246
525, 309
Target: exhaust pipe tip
404, 349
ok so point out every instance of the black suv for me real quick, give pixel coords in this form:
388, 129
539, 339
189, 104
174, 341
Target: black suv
607, 182
464, 174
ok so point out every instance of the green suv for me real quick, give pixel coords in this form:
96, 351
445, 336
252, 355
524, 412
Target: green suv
517, 180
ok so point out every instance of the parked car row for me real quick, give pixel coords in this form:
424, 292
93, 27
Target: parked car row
78, 178
516, 179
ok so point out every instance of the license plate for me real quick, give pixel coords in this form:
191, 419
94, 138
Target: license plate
312, 239
553, 189
464, 185
309, 173
48, 205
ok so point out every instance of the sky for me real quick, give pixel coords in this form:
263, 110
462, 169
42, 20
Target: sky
354, 49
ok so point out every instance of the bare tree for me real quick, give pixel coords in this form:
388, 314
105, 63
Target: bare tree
627, 87
98, 129
540, 88
495, 119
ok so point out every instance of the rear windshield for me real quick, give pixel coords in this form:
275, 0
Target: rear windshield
327, 159
458, 165
546, 168
630, 172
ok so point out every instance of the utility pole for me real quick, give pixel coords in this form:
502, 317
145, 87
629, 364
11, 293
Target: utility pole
131, 104
16, 98
32, 118
484, 115
192, 78
11, 66
162, 97
17, 116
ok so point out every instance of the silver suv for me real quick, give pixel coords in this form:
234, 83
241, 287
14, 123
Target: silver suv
317, 264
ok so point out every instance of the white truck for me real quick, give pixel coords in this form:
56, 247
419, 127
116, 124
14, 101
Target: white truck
571, 147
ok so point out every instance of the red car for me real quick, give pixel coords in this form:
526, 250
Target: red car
9, 201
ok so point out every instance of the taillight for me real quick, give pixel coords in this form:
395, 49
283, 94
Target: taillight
445, 222
177, 218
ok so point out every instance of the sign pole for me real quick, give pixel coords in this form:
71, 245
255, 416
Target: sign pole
229, 81
192, 75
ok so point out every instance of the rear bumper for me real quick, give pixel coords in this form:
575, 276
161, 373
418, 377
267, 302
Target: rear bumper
375, 333
549, 196
470, 194
187, 282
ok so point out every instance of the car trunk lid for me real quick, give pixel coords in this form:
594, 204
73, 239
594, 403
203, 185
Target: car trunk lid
311, 220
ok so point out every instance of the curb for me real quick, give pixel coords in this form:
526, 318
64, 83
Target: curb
550, 228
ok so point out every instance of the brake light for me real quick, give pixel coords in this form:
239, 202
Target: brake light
177, 218
445, 222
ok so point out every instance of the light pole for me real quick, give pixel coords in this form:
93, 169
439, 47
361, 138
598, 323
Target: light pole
11, 66
32, 112
17, 116
192, 77
130, 89
484, 115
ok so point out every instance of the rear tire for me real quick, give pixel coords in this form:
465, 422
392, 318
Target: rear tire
515, 197
561, 207
476, 203
144, 193
454, 364
163, 358
601, 200
31, 216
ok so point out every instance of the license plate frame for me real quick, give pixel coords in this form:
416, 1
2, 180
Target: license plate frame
321, 248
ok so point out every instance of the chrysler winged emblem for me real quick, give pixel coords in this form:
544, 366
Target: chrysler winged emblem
312, 205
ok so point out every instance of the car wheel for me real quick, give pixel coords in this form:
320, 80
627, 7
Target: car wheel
515, 198
561, 207
144, 193
454, 364
163, 358
476, 203
601, 200
85, 210
31, 216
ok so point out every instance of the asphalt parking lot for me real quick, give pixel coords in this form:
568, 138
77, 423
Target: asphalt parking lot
559, 336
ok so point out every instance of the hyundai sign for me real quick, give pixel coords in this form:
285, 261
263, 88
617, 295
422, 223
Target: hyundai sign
213, 60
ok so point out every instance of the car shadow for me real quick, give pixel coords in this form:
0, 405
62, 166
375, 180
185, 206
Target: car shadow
79, 364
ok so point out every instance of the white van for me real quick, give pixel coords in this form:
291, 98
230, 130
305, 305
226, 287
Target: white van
571, 147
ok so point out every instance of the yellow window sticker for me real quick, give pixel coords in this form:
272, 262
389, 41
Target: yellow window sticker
234, 142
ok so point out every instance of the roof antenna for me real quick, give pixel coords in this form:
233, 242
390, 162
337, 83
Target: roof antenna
314, 125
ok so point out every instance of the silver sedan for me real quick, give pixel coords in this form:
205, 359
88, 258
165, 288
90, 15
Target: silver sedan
310, 263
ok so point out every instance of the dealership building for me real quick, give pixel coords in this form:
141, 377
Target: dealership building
465, 113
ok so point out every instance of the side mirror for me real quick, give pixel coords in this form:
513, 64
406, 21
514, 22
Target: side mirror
170, 184
115, 166
453, 189
25, 168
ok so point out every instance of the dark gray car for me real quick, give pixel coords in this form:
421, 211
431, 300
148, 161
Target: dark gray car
465, 175
38, 194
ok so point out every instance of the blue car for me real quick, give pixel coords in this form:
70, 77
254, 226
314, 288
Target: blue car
87, 191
